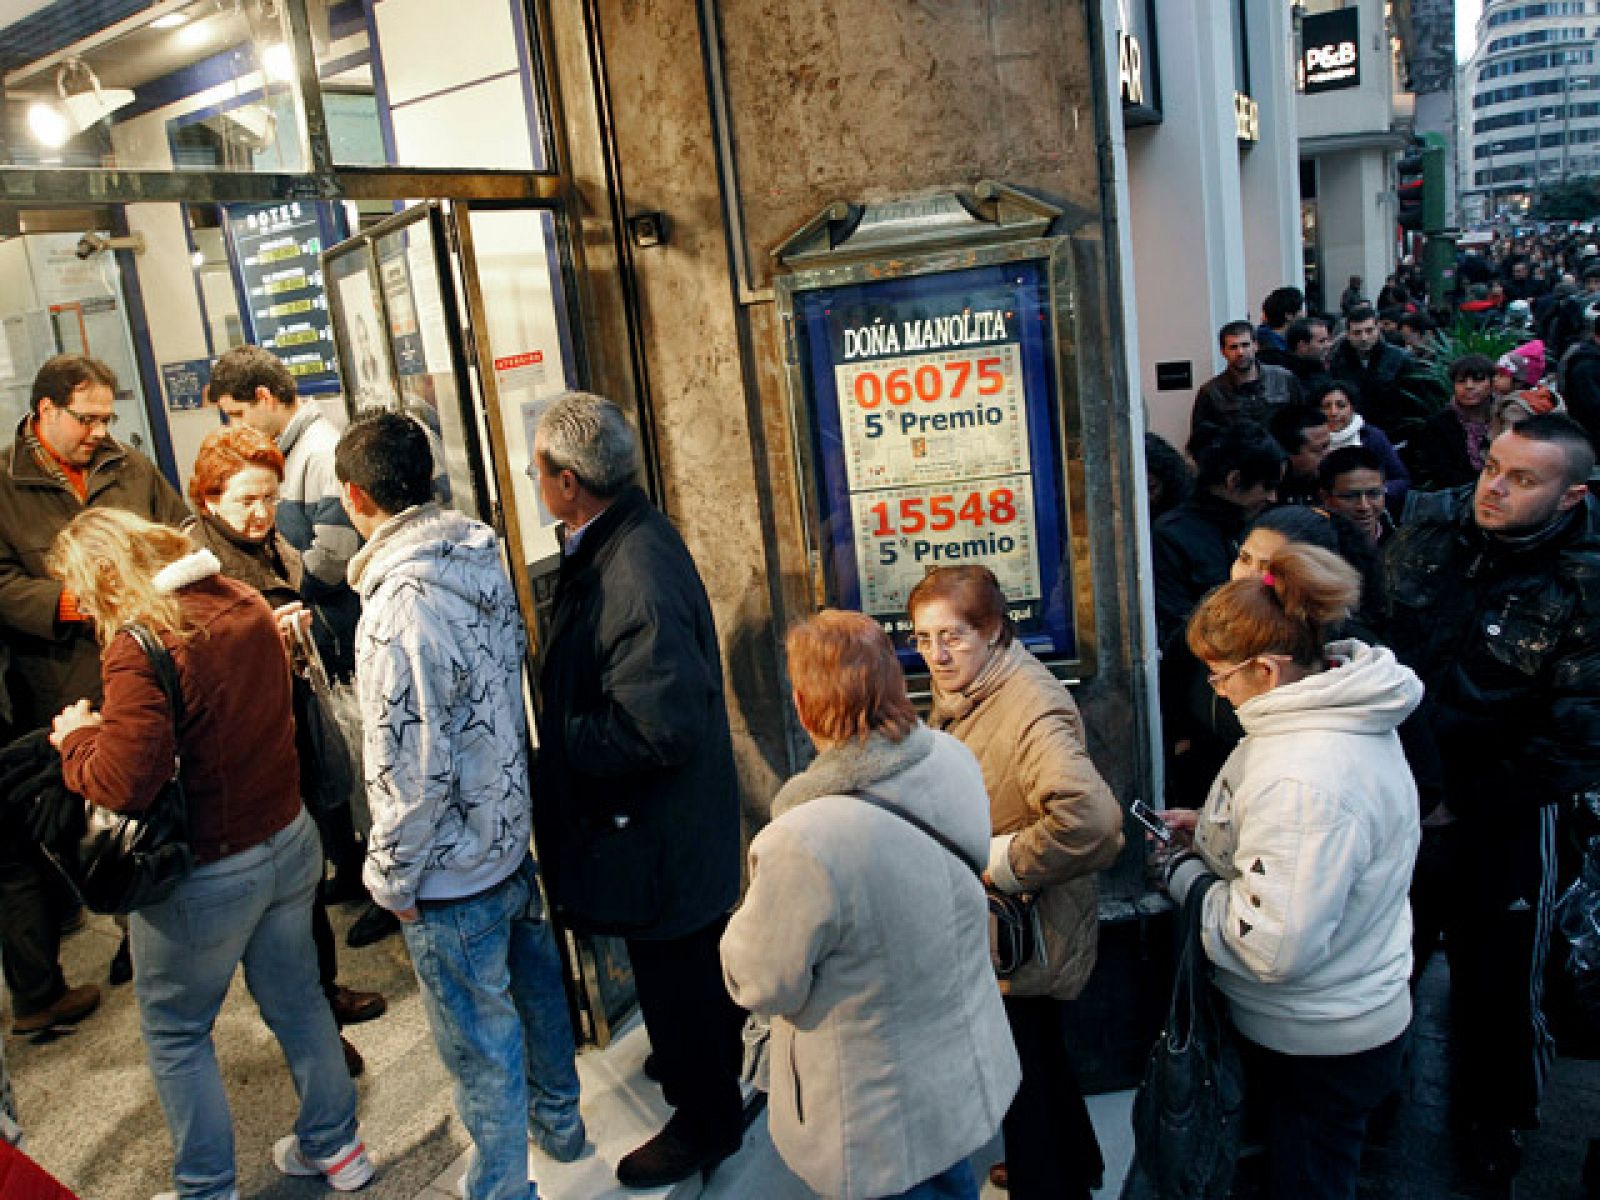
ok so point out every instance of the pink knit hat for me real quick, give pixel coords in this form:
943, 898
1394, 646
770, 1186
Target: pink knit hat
1525, 364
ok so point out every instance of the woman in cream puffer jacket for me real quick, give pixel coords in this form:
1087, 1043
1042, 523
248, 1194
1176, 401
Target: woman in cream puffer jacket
1055, 824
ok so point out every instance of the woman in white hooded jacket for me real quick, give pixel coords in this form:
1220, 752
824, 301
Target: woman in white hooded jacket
1313, 825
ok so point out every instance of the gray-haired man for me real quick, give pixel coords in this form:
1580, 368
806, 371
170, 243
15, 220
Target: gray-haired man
637, 803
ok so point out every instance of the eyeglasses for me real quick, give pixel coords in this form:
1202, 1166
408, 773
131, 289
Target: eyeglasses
89, 421
1220, 677
1359, 494
948, 640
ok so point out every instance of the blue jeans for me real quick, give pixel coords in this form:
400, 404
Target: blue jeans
252, 907
492, 988
955, 1183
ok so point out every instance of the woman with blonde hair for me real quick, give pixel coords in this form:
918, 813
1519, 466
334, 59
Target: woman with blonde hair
1054, 823
1313, 826
257, 862
864, 937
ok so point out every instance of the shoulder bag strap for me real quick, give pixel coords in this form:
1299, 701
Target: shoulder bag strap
167, 677
912, 819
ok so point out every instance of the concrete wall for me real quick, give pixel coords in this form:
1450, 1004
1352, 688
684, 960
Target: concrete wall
1215, 227
1355, 220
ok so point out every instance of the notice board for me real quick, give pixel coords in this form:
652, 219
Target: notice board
933, 414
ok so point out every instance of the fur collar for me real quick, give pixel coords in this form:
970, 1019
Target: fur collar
191, 568
851, 766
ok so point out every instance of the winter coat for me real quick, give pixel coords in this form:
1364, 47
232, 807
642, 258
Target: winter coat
1438, 453
867, 943
1580, 386
272, 566
439, 654
1055, 822
1397, 394
1313, 824
240, 772
54, 663
1193, 548
637, 804
1506, 636
1222, 401
313, 521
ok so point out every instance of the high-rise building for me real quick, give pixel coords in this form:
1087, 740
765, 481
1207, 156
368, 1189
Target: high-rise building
1531, 110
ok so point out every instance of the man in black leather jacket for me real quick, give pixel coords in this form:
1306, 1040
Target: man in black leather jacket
1495, 596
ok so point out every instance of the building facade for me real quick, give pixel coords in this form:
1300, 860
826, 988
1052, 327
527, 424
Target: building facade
1530, 103
1354, 119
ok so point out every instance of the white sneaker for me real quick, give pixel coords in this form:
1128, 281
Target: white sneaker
345, 1171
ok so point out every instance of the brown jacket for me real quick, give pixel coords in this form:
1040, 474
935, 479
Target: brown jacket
1023, 727
54, 664
240, 771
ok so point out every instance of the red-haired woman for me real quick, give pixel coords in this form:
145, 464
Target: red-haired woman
234, 489
1054, 823
865, 937
1313, 826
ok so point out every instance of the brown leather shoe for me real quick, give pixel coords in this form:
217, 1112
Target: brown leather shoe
1000, 1177
73, 1006
352, 1008
353, 1062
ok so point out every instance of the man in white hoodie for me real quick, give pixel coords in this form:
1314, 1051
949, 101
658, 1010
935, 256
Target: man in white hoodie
439, 655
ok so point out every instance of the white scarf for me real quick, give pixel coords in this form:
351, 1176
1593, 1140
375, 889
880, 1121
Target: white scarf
1350, 435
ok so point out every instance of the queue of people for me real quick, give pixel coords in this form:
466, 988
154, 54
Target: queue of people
1463, 537
1401, 658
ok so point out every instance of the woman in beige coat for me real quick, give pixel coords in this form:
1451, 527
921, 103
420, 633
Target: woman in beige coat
1055, 824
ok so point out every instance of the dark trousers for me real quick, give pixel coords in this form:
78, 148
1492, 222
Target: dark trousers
694, 1030
30, 934
1497, 953
1312, 1111
1050, 1145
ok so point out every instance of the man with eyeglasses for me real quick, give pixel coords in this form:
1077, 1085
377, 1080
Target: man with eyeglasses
63, 460
1353, 485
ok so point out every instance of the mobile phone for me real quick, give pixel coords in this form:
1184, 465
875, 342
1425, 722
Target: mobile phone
1150, 819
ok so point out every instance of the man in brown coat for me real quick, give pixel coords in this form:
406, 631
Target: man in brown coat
63, 460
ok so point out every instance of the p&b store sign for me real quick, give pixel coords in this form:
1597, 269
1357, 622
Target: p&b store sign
1330, 51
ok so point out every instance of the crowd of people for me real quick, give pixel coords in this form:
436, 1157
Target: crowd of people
1342, 531
1379, 657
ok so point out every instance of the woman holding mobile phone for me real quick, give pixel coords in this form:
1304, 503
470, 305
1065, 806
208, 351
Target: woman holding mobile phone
1055, 824
1313, 825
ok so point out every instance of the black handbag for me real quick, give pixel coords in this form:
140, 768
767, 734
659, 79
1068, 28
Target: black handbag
126, 861
327, 768
1015, 936
1187, 1112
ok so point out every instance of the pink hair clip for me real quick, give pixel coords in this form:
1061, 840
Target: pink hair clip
1268, 578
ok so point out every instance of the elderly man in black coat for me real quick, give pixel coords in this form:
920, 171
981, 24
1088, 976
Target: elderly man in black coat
637, 806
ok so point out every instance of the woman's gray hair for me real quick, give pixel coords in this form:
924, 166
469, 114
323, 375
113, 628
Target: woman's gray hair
589, 436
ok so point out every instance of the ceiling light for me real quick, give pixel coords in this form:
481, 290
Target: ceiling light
170, 21
278, 63
197, 259
48, 125
196, 34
